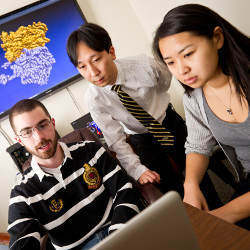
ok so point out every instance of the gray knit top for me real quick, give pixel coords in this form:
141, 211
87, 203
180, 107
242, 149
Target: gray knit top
201, 136
236, 135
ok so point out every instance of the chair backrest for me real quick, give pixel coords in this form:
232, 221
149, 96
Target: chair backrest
81, 134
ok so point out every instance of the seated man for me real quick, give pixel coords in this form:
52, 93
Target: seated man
90, 50
74, 193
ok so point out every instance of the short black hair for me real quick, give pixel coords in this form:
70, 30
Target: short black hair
93, 35
25, 105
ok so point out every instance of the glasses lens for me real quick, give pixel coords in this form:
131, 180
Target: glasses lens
26, 133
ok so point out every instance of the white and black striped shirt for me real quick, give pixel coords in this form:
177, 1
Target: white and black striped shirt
73, 209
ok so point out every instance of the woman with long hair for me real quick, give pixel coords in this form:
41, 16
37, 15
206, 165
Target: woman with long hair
210, 58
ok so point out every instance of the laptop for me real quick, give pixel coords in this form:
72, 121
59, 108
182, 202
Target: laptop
164, 225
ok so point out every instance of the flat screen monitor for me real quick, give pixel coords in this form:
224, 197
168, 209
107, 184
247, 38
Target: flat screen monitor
33, 57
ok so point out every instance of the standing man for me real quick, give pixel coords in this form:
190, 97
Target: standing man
144, 158
75, 193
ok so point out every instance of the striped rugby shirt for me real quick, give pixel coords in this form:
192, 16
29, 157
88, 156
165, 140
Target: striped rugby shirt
88, 197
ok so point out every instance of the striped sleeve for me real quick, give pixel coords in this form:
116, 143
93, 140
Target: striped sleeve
127, 201
25, 231
200, 139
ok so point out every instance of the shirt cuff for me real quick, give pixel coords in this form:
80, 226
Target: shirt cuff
138, 171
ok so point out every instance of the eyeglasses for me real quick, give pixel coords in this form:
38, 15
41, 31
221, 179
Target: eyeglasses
42, 127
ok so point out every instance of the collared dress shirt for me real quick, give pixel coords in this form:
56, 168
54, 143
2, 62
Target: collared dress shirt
147, 83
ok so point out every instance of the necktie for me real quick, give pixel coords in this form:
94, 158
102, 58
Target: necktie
160, 133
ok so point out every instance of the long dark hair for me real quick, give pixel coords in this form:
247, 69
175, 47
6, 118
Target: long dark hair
200, 20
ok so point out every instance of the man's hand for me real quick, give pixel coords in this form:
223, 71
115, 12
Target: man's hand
194, 196
149, 176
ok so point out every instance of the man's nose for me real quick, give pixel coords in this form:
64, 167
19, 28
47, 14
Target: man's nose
36, 133
93, 71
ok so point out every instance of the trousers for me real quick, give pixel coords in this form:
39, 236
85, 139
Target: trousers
95, 238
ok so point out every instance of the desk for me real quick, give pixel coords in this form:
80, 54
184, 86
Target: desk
212, 232
216, 234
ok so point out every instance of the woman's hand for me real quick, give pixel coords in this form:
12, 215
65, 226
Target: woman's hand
235, 210
223, 214
196, 166
194, 196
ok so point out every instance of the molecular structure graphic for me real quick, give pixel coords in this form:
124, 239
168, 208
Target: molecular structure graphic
27, 55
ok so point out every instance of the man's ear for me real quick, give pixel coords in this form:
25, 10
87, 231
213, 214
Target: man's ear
53, 122
17, 138
218, 37
112, 52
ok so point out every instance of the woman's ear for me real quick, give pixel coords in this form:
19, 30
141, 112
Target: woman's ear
218, 37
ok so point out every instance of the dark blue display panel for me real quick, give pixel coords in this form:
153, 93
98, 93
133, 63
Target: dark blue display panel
33, 57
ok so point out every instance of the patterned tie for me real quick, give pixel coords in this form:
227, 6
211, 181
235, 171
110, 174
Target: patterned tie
160, 133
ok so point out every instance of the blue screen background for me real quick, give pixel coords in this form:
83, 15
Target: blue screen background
61, 18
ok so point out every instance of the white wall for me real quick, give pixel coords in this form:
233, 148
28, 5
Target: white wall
131, 24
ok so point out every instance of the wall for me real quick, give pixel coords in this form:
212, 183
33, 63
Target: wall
131, 24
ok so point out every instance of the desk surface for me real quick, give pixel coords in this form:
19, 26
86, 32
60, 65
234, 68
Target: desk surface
216, 234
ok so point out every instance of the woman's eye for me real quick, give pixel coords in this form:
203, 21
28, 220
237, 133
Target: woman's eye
170, 63
188, 54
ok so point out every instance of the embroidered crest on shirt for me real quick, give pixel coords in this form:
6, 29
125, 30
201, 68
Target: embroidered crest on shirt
56, 205
91, 176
